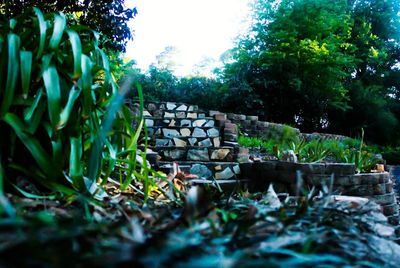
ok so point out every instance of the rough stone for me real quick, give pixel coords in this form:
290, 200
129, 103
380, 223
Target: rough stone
370, 178
385, 199
390, 209
162, 142
182, 107
212, 113
172, 123
217, 142
213, 132
220, 154
205, 143
192, 141
146, 113
210, 123
236, 169
171, 105
198, 155
199, 133
340, 169
179, 142
192, 115
192, 108
201, 170
252, 117
242, 158
186, 123
170, 133
226, 174
199, 123
158, 113
365, 190
151, 107
185, 132
394, 219
169, 115
220, 117
176, 154
201, 115
180, 115
239, 117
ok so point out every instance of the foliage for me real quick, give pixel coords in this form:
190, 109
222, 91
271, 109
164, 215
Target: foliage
316, 150
60, 114
109, 17
326, 66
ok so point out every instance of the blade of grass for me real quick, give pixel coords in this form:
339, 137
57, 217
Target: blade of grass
77, 51
28, 112
75, 163
26, 70
58, 30
86, 84
41, 157
42, 29
66, 112
12, 73
34, 196
52, 85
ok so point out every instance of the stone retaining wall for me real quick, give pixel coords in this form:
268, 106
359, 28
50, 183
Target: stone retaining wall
284, 176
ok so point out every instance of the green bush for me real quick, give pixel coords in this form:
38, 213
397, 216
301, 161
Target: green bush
59, 105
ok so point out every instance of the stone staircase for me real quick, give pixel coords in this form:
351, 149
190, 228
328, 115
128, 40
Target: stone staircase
201, 143
204, 143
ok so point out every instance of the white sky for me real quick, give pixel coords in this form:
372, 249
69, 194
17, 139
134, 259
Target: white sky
197, 28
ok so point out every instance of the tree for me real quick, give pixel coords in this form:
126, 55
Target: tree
323, 65
109, 17
294, 59
375, 82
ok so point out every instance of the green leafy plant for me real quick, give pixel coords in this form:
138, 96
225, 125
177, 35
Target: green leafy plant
60, 115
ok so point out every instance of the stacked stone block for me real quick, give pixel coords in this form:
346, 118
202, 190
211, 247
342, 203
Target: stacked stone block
342, 177
253, 127
201, 143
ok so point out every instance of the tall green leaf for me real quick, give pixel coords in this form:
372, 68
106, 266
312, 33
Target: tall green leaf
66, 112
26, 71
58, 30
52, 85
39, 154
77, 51
12, 73
86, 82
42, 29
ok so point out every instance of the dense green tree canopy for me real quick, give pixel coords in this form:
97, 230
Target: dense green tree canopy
109, 17
322, 65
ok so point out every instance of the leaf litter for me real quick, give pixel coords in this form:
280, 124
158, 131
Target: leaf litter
205, 228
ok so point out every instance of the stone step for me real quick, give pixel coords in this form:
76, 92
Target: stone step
192, 132
383, 200
179, 122
181, 141
368, 189
174, 114
192, 153
172, 106
205, 170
